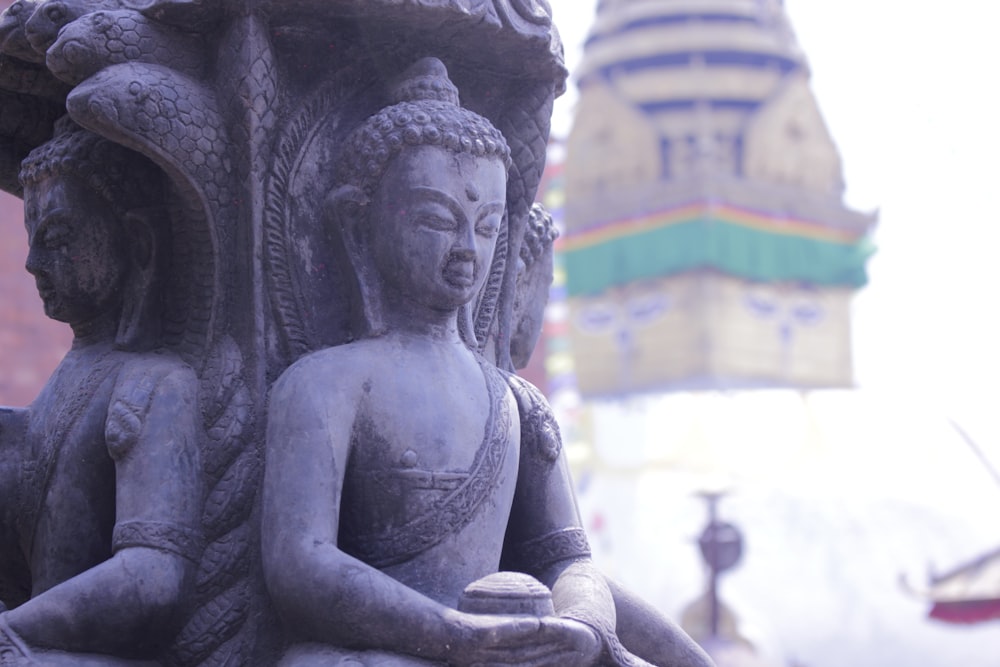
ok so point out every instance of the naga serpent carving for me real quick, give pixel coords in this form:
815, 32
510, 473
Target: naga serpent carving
211, 94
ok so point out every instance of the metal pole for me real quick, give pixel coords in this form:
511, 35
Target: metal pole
713, 593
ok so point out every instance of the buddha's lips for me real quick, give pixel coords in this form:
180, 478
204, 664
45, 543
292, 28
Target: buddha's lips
460, 273
45, 290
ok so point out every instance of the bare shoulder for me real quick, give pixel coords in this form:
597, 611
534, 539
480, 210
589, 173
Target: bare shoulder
156, 373
340, 370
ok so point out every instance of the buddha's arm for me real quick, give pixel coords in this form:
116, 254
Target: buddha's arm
13, 424
321, 593
549, 543
545, 538
129, 604
14, 578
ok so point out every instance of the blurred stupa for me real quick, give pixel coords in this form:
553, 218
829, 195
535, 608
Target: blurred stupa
707, 245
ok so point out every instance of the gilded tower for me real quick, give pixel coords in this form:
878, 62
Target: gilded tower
707, 243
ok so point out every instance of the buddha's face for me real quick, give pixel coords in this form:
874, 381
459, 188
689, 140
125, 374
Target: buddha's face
435, 220
76, 251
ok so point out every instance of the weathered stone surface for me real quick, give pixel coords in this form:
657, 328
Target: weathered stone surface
331, 198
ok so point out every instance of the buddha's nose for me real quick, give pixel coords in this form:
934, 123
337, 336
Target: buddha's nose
34, 264
466, 241
462, 254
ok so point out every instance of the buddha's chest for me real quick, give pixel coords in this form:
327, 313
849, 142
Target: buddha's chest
412, 482
65, 434
69, 489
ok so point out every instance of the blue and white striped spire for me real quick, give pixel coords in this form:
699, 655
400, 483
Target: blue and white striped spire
649, 49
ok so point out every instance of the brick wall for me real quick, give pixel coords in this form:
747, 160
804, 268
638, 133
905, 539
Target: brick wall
31, 345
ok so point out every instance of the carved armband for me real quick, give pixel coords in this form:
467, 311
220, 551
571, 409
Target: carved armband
537, 554
175, 539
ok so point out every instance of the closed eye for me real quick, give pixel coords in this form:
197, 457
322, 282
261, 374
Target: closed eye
56, 236
488, 227
490, 219
54, 230
439, 222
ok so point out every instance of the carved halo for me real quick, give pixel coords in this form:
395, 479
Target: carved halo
309, 282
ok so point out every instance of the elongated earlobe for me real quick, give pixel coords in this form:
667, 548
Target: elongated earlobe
138, 327
349, 210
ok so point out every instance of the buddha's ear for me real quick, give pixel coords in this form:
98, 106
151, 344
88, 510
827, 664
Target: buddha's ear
138, 327
349, 215
140, 231
347, 206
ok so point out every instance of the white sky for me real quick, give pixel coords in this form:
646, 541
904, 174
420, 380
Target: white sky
910, 92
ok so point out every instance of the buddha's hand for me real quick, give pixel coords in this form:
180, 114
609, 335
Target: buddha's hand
13, 651
524, 641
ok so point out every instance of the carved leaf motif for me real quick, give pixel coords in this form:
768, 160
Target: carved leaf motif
290, 303
284, 295
123, 428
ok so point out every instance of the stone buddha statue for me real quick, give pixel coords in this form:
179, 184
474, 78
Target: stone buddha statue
397, 470
101, 485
